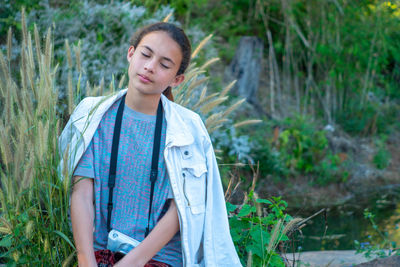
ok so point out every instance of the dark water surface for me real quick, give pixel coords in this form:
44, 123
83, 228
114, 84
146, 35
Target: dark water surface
341, 225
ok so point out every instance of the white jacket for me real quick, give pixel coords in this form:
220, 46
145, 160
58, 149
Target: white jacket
192, 169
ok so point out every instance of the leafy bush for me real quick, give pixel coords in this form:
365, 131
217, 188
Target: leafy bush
297, 147
382, 157
374, 118
257, 227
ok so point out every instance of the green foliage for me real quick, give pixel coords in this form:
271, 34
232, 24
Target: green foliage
384, 249
382, 157
257, 228
304, 149
298, 147
372, 119
9, 9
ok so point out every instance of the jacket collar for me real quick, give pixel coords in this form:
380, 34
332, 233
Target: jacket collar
178, 133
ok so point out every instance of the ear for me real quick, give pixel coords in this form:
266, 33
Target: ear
178, 80
129, 55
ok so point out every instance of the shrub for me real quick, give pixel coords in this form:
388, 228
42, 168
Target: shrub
257, 227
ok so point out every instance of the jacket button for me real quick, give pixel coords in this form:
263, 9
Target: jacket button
183, 174
186, 153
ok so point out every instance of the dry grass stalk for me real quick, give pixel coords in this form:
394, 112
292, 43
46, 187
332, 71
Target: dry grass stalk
37, 44
213, 118
212, 104
121, 82
24, 29
195, 84
201, 45
228, 88
47, 50
68, 261
276, 231
5, 226
9, 44
30, 54
23, 67
291, 225
249, 262
204, 100
77, 50
247, 122
68, 51
70, 93
4, 70
166, 19
208, 63
233, 107
101, 87
203, 93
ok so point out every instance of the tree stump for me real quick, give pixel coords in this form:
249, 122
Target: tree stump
246, 68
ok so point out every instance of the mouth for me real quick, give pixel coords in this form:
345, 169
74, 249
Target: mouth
144, 78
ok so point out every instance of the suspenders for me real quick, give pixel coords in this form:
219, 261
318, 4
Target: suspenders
114, 154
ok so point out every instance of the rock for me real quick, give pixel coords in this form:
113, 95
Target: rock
393, 261
331, 258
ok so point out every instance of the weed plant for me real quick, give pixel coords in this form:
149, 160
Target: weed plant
259, 226
370, 250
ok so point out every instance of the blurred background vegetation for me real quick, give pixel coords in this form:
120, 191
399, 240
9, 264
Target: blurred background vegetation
329, 83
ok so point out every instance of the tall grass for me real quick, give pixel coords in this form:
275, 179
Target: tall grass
34, 229
34, 201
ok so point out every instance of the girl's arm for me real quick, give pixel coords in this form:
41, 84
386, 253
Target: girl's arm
162, 233
82, 215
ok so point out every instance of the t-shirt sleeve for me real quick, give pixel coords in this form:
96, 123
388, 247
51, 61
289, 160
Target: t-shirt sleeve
85, 166
170, 194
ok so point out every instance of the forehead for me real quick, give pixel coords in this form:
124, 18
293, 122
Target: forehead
162, 45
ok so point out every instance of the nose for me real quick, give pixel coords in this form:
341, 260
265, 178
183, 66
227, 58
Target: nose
149, 65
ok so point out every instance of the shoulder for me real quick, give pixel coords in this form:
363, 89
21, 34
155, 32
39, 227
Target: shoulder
188, 120
184, 112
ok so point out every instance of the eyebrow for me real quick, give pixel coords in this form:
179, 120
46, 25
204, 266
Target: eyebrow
165, 58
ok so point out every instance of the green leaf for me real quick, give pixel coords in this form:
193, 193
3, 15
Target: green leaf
230, 207
65, 238
6, 241
256, 249
276, 261
246, 210
266, 201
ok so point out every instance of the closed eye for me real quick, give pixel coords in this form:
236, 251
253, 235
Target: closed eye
164, 66
145, 55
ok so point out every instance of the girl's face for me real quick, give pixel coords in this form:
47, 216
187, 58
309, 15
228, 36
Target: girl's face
154, 63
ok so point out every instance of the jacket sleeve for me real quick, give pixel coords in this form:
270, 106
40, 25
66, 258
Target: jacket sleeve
219, 249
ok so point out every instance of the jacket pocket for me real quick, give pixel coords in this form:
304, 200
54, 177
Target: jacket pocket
194, 186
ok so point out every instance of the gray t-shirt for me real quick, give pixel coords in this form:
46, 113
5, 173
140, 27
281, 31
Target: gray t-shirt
132, 188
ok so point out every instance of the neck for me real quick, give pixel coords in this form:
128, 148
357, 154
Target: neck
146, 104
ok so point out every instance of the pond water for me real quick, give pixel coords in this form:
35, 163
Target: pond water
340, 226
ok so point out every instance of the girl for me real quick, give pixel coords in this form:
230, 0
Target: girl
145, 167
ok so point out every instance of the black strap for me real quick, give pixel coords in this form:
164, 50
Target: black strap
113, 160
154, 160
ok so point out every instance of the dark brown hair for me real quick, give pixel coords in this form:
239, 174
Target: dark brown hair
177, 34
